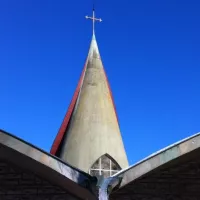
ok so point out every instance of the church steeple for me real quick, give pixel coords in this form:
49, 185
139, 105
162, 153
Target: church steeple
89, 137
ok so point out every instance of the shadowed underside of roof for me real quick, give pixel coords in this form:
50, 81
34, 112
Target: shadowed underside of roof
91, 117
30, 173
172, 173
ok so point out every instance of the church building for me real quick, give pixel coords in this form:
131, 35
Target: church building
87, 159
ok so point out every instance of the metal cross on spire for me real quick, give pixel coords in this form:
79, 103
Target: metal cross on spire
93, 20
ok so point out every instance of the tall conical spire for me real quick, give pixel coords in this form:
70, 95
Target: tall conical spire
89, 137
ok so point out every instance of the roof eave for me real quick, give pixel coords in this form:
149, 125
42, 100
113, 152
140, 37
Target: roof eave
28, 157
158, 159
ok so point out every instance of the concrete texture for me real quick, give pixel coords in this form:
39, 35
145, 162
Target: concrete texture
93, 128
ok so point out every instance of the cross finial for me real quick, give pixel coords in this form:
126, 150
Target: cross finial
93, 19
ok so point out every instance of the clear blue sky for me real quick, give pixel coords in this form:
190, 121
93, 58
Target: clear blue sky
150, 51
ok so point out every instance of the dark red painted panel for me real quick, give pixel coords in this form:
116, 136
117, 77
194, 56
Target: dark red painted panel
65, 123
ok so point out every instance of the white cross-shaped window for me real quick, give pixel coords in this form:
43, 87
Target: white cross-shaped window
100, 169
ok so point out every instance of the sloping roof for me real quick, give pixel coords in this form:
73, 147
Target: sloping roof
91, 122
34, 160
162, 167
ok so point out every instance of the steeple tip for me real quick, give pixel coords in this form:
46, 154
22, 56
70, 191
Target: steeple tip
93, 36
93, 18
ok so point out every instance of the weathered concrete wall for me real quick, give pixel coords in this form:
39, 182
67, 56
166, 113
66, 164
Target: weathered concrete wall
94, 129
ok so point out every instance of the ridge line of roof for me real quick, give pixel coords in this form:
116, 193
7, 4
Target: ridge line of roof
155, 154
45, 152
